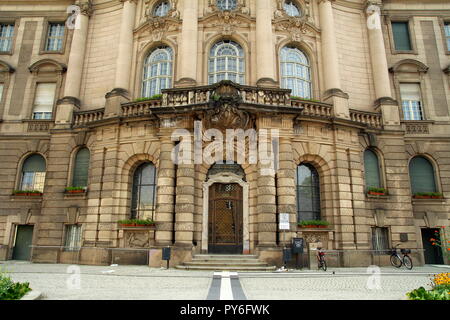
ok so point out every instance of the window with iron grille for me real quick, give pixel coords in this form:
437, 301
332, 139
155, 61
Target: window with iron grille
73, 237
55, 37
380, 240
6, 37
144, 192
308, 193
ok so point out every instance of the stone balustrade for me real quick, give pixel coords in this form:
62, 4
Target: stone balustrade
84, 117
371, 119
140, 108
39, 125
313, 108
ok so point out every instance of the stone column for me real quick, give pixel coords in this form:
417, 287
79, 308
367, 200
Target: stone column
185, 189
330, 60
165, 190
72, 86
380, 72
266, 193
286, 184
189, 43
265, 58
124, 57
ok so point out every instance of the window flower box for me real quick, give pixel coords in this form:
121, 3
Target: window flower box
377, 192
75, 190
321, 224
27, 193
136, 223
428, 195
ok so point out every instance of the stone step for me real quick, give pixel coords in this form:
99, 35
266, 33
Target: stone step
225, 268
225, 256
227, 263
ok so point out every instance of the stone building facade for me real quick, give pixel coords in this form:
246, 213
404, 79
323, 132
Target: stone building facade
357, 92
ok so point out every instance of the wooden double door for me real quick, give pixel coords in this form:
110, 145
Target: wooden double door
225, 228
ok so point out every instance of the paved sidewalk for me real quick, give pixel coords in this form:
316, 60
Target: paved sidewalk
69, 282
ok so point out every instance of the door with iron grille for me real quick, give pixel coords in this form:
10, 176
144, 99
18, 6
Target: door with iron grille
225, 218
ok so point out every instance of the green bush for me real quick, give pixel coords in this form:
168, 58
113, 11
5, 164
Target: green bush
137, 221
377, 190
154, 97
432, 194
314, 223
437, 293
10, 290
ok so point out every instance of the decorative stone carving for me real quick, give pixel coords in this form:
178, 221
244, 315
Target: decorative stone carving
85, 7
157, 27
137, 239
225, 114
172, 13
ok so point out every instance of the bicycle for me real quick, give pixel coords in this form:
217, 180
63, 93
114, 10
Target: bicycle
322, 264
398, 261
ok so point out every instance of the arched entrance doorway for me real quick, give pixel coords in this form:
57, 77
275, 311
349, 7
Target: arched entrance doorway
225, 211
225, 231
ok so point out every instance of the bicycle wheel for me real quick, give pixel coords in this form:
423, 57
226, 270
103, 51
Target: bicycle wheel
395, 261
407, 262
324, 265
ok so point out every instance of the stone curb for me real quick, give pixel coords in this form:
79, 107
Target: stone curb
32, 295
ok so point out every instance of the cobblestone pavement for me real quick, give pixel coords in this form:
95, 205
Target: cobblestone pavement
60, 282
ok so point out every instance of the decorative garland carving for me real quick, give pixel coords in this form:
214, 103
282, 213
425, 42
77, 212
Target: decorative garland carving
241, 7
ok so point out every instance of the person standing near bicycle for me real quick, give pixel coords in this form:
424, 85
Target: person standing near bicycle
321, 259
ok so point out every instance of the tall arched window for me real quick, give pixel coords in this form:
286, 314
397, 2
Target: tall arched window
295, 72
291, 9
157, 73
226, 4
81, 168
372, 169
226, 62
421, 173
308, 193
144, 192
33, 173
161, 9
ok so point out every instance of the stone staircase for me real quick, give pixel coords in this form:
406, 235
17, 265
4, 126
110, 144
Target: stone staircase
226, 262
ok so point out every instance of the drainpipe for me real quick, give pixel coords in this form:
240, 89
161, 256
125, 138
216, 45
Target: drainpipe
100, 196
352, 196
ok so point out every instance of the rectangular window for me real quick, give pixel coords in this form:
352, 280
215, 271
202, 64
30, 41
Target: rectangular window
402, 39
55, 37
1, 92
73, 237
411, 101
380, 240
6, 37
447, 34
44, 100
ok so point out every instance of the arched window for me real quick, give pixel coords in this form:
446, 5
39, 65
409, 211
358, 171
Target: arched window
308, 193
295, 72
291, 9
372, 169
33, 173
161, 9
226, 62
81, 168
422, 177
226, 4
157, 73
144, 192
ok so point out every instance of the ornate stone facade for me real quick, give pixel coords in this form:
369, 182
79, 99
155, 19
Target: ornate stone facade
355, 76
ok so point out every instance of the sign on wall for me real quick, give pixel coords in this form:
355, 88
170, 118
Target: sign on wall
284, 221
